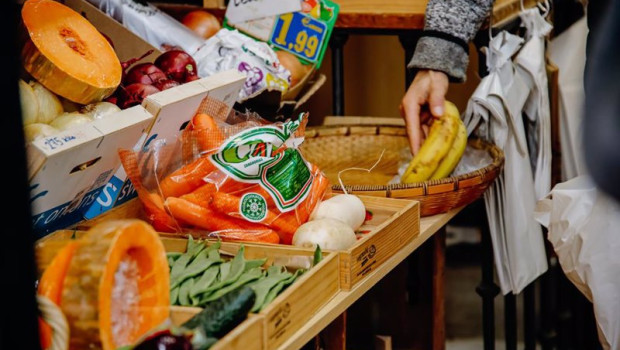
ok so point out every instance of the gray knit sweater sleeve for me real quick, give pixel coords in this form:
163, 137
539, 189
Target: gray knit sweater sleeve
449, 26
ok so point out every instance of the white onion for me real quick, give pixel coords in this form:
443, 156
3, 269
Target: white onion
100, 109
344, 207
327, 233
29, 103
69, 106
36, 131
49, 104
68, 121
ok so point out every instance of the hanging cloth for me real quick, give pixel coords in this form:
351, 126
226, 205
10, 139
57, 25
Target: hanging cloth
494, 112
531, 64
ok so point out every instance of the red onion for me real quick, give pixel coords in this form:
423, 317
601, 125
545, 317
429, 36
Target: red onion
177, 65
166, 84
145, 73
191, 78
112, 99
132, 95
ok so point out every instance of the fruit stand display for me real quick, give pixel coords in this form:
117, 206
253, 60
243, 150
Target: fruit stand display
179, 204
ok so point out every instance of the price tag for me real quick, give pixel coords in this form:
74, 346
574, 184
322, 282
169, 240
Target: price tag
299, 34
304, 33
239, 11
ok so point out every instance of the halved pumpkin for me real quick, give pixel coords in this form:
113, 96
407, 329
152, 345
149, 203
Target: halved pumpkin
116, 288
50, 286
67, 54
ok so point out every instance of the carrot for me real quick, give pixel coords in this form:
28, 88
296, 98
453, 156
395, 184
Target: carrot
156, 212
202, 196
50, 286
320, 185
301, 214
187, 178
208, 134
229, 205
207, 219
233, 186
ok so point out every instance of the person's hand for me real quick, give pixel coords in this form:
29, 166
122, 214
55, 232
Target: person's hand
427, 91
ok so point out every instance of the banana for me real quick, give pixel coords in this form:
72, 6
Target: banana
436, 146
450, 161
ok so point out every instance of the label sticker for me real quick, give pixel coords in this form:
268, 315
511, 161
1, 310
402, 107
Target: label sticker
253, 207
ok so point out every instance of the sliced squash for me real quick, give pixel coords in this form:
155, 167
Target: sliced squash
116, 288
67, 54
51, 284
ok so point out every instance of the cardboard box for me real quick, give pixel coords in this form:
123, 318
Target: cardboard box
172, 109
68, 170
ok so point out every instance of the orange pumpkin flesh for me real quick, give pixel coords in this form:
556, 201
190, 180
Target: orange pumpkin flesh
116, 288
67, 54
50, 286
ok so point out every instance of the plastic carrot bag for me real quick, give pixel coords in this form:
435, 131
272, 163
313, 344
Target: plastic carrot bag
235, 177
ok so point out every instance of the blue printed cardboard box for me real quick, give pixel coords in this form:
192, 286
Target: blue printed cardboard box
68, 170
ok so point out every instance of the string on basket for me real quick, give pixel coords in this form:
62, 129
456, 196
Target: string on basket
361, 169
53, 316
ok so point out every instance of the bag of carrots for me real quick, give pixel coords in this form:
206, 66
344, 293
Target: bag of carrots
235, 177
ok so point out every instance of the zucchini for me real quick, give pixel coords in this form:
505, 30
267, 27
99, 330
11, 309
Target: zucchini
222, 315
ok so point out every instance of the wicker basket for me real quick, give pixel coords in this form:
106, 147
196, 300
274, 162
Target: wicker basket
337, 147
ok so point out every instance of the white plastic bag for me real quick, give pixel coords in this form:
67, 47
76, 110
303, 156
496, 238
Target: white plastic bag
531, 63
584, 229
568, 52
494, 112
151, 24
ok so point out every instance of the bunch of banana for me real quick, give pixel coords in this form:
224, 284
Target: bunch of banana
441, 151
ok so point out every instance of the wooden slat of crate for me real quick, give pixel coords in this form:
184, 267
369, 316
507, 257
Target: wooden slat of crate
297, 304
246, 336
130, 209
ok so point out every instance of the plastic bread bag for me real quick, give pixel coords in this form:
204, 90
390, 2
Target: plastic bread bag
235, 177
230, 49
151, 24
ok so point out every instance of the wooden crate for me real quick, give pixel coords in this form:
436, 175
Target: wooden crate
272, 326
395, 223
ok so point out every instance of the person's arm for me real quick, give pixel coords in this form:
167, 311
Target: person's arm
441, 56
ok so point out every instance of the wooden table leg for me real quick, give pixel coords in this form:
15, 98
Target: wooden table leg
438, 297
338, 39
334, 336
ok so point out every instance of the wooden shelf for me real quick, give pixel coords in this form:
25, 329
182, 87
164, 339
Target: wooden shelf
342, 300
375, 14
407, 14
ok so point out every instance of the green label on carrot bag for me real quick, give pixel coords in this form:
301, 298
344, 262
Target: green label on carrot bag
254, 156
253, 207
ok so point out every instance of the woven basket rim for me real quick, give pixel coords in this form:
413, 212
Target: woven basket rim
487, 174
